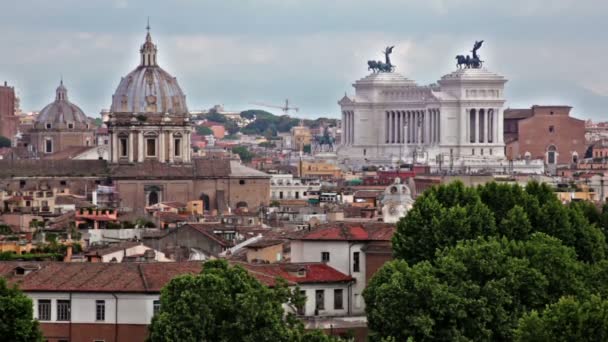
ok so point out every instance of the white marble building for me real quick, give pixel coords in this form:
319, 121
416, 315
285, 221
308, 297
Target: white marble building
457, 122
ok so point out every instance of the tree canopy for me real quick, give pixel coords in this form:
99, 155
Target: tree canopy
570, 319
485, 263
475, 291
5, 142
225, 303
446, 214
243, 153
203, 130
17, 321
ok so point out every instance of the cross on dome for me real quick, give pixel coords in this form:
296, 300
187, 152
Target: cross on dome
62, 92
148, 50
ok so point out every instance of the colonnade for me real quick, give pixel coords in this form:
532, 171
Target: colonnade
412, 126
483, 125
348, 127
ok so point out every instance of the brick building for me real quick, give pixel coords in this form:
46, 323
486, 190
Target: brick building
8, 120
544, 132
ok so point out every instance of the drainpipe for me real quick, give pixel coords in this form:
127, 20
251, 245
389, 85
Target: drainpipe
350, 285
115, 317
70, 324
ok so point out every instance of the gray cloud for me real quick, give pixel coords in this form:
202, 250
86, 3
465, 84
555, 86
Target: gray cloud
238, 51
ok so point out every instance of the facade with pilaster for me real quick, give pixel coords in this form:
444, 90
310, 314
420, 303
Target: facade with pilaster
455, 123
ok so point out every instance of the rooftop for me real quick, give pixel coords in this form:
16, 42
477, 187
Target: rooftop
349, 231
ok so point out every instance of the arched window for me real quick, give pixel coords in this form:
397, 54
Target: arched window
206, 201
575, 157
241, 204
551, 155
152, 198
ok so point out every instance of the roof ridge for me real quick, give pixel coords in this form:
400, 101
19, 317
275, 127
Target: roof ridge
143, 277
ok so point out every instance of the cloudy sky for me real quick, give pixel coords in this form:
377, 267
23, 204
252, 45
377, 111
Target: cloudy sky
235, 52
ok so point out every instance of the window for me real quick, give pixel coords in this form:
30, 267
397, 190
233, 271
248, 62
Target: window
48, 146
355, 261
151, 147
70, 125
241, 181
302, 308
48, 126
63, 310
156, 307
44, 309
551, 129
280, 194
338, 300
325, 256
297, 195
62, 182
124, 147
177, 147
490, 151
320, 299
100, 310
473, 151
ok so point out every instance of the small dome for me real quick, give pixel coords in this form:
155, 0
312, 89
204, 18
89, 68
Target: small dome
61, 112
149, 88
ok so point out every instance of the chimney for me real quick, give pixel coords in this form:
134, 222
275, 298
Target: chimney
68, 254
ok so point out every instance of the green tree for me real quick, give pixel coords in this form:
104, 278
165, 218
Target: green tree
243, 153
16, 316
225, 303
5, 142
203, 130
476, 290
515, 224
449, 213
570, 319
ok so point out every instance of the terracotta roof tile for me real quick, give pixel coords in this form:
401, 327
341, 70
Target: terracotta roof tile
349, 231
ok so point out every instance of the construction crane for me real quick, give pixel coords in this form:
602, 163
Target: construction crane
285, 108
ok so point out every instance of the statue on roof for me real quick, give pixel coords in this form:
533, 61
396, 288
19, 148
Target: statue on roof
468, 62
379, 66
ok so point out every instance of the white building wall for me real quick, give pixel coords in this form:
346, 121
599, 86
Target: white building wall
341, 258
132, 308
310, 293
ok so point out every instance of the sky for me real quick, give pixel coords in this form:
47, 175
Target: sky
236, 52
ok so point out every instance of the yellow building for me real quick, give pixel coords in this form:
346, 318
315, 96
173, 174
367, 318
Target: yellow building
16, 247
319, 170
300, 137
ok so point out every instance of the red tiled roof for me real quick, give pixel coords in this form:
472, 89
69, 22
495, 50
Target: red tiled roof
313, 273
96, 277
349, 231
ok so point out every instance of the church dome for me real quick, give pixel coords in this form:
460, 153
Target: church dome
149, 88
61, 112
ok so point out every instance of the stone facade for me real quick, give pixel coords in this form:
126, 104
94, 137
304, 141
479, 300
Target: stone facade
149, 118
392, 118
60, 125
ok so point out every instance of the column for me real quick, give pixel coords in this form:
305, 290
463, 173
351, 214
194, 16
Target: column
172, 148
438, 126
432, 126
398, 132
490, 125
483, 118
476, 126
130, 146
113, 147
393, 127
140, 147
352, 127
500, 121
467, 126
348, 127
386, 127
186, 149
